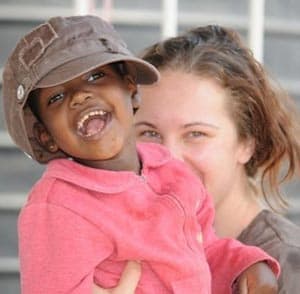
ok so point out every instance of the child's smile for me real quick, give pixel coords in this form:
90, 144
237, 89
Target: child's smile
92, 123
90, 117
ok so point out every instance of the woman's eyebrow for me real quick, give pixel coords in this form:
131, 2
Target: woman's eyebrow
144, 123
199, 123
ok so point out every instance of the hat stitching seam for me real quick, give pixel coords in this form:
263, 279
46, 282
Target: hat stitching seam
37, 40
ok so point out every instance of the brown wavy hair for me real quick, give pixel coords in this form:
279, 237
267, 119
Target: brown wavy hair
259, 108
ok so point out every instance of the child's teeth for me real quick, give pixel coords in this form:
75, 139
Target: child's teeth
96, 112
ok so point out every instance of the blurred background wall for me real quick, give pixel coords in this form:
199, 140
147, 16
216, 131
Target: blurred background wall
271, 28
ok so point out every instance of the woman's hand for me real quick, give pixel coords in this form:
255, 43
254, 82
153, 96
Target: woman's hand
127, 283
257, 279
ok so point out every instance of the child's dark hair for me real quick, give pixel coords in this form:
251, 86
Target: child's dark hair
120, 68
32, 103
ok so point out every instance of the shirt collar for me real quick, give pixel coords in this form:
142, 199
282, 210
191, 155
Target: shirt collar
105, 181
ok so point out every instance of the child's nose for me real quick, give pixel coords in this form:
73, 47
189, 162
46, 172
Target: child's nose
79, 97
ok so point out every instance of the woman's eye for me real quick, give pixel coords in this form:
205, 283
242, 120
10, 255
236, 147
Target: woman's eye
95, 76
150, 134
195, 134
55, 98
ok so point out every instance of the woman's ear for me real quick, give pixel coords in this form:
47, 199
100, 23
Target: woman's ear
44, 138
247, 150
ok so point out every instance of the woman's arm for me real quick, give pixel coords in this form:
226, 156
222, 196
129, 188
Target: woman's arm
258, 278
250, 271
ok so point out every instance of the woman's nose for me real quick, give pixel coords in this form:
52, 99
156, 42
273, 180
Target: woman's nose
175, 148
79, 97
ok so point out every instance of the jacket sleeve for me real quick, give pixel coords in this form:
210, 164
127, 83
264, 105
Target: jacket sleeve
227, 258
58, 250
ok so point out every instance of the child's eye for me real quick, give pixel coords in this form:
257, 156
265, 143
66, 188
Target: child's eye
55, 98
95, 76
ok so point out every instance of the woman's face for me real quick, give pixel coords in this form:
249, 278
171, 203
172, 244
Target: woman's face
188, 114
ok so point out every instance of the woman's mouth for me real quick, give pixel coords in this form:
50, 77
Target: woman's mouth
92, 123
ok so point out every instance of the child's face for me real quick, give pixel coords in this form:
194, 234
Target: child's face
89, 117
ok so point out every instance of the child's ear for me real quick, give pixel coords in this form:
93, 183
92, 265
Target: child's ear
44, 138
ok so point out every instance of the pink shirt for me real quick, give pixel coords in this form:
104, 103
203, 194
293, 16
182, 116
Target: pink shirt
82, 224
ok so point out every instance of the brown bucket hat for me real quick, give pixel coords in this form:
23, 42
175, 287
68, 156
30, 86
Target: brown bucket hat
53, 53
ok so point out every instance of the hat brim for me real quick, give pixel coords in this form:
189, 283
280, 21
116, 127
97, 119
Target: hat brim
144, 72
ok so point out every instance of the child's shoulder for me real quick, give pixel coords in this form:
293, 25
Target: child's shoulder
166, 169
47, 186
153, 154
158, 156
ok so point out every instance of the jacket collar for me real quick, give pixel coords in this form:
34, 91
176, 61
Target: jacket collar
152, 156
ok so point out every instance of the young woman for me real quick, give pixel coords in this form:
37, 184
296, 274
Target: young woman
216, 109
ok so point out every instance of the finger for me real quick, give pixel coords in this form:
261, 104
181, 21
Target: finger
261, 279
129, 278
242, 286
99, 290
